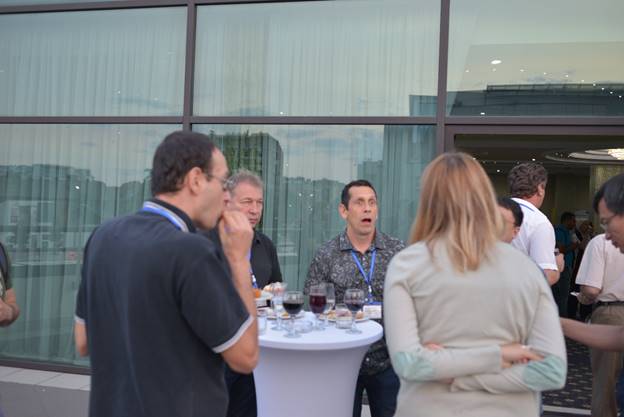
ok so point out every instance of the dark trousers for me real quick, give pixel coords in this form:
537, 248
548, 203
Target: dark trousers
382, 390
242, 390
561, 291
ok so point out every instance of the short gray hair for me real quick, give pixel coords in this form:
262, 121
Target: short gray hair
244, 176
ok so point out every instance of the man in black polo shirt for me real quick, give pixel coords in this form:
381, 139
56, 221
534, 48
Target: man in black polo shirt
246, 195
157, 309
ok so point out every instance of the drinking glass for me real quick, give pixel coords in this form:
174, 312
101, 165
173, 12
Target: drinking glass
293, 303
331, 301
277, 289
354, 299
343, 316
318, 301
262, 321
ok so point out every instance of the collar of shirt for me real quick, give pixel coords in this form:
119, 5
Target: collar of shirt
378, 243
525, 203
182, 215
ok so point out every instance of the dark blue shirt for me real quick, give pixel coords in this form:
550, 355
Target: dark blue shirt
563, 237
159, 307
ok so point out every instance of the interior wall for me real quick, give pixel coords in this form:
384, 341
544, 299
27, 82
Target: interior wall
563, 193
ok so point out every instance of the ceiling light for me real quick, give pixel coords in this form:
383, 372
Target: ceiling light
533, 159
496, 61
617, 153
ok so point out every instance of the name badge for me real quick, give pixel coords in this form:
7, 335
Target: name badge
373, 311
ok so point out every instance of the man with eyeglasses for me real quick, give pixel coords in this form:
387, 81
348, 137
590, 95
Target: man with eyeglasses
160, 308
609, 204
246, 196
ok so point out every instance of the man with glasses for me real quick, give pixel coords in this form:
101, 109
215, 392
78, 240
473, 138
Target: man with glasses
159, 308
609, 204
246, 196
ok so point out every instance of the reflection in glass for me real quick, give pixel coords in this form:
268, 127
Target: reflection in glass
344, 58
557, 57
59, 183
305, 168
93, 63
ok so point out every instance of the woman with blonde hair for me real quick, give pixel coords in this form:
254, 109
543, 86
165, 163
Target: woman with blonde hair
470, 322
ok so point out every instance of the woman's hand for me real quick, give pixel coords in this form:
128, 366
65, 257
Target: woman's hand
433, 346
514, 353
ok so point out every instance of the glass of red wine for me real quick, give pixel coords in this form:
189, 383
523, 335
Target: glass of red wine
318, 301
293, 304
354, 299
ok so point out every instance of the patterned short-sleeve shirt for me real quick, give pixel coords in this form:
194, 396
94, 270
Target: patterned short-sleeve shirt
333, 262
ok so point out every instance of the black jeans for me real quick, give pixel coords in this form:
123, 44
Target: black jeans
561, 291
242, 390
382, 390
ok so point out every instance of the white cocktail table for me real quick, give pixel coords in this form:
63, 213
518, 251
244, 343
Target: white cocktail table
313, 375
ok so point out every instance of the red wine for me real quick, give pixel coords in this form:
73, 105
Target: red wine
292, 308
354, 307
318, 303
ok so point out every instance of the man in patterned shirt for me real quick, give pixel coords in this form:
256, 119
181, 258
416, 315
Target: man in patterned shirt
358, 258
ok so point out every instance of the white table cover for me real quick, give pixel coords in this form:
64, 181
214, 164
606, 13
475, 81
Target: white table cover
313, 375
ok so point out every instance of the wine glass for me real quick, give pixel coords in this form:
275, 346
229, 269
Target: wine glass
331, 301
293, 303
354, 299
277, 289
318, 301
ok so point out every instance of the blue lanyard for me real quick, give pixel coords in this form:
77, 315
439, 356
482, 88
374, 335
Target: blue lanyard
254, 283
367, 278
168, 214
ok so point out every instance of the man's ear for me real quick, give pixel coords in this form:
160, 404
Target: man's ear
342, 210
193, 180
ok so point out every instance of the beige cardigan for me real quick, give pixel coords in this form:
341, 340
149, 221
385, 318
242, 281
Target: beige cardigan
506, 300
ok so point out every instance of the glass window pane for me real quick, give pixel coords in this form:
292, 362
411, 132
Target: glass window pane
343, 58
560, 57
306, 167
25, 2
93, 63
59, 182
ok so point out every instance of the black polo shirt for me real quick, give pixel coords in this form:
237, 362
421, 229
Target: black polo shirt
264, 262
159, 307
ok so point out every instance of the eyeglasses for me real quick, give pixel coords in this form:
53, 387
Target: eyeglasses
222, 180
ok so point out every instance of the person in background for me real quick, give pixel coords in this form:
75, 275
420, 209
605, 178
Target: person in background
358, 258
584, 233
609, 204
471, 324
512, 217
246, 195
601, 284
567, 246
9, 310
527, 186
159, 308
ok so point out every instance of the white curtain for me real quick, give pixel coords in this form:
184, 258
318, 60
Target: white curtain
58, 183
351, 58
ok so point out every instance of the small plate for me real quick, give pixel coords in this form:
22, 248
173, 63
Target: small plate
359, 317
264, 299
285, 315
